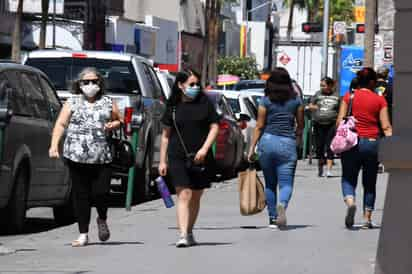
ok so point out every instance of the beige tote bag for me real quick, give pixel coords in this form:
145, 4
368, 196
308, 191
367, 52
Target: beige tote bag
251, 192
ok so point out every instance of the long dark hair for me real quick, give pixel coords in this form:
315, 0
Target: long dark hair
365, 77
181, 77
279, 86
76, 84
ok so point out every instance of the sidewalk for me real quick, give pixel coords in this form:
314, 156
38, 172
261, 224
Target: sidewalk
316, 241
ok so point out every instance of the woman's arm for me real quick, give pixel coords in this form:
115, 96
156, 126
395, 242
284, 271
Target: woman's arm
116, 121
58, 130
257, 133
211, 137
300, 121
343, 110
164, 143
385, 122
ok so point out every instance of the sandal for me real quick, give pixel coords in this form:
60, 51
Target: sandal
81, 241
103, 228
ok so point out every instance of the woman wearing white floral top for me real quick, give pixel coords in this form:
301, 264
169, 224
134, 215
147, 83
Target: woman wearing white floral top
88, 116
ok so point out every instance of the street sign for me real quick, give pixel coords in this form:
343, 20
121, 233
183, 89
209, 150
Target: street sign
339, 27
387, 53
359, 12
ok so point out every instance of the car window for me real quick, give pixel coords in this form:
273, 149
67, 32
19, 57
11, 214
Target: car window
156, 83
226, 107
152, 92
119, 76
18, 101
4, 86
234, 104
51, 97
34, 95
256, 99
251, 108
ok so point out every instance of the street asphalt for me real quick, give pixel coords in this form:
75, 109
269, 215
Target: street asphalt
142, 241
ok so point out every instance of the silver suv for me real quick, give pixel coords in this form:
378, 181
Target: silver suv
132, 82
28, 177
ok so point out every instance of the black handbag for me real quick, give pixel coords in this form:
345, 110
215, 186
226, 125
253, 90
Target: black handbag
190, 163
122, 150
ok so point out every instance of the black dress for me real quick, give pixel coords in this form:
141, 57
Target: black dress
193, 120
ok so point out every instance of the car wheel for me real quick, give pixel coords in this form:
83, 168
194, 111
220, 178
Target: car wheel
16, 209
64, 214
142, 180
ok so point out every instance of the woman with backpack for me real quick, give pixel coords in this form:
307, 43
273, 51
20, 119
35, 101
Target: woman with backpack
370, 112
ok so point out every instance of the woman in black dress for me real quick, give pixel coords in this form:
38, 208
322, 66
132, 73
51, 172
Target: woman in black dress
196, 119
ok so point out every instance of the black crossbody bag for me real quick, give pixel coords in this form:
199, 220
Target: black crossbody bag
190, 163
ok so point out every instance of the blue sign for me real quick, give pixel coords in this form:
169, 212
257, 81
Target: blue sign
352, 59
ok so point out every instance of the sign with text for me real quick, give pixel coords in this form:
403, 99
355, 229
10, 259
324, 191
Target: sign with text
34, 6
352, 59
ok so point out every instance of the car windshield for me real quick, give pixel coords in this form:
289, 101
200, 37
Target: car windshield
250, 85
234, 104
119, 76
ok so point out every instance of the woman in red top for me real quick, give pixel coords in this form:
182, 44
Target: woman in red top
371, 111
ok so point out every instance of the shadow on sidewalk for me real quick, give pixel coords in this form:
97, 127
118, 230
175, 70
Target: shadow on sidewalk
222, 228
294, 227
115, 243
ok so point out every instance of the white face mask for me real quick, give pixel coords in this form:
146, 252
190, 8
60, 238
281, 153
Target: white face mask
90, 90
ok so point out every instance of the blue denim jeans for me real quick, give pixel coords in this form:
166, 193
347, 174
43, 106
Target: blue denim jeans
278, 158
364, 156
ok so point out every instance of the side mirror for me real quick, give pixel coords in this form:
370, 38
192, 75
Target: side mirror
242, 117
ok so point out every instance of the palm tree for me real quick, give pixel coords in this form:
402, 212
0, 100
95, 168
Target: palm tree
16, 42
43, 26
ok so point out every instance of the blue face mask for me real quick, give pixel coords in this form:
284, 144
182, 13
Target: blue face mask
192, 92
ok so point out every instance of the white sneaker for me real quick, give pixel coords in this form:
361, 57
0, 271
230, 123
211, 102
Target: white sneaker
183, 241
328, 174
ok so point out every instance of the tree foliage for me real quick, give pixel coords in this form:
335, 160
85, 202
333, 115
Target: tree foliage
245, 68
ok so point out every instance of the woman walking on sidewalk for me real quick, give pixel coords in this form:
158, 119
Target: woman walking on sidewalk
325, 106
370, 111
278, 136
191, 127
88, 116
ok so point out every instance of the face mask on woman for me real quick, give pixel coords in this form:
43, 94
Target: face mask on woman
192, 92
90, 90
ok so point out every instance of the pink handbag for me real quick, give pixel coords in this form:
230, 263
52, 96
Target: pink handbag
346, 136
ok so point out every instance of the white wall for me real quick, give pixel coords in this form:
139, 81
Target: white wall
257, 42
137, 9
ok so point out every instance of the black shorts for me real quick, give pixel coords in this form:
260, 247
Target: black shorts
179, 176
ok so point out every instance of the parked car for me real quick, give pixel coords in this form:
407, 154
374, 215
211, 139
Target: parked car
167, 80
230, 145
249, 84
28, 177
132, 82
242, 104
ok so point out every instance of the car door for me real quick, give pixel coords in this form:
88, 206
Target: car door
152, 97
14, 134
59, 185
39, 134
159, 109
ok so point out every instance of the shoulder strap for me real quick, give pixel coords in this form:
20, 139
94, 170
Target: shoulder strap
352, 95
178, 132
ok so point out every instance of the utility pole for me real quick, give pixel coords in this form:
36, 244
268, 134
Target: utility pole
370, 24
325, 46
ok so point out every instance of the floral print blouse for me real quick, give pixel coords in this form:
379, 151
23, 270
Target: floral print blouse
86, 140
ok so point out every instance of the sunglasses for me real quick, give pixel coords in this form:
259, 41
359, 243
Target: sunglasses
193, 84
86, 82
